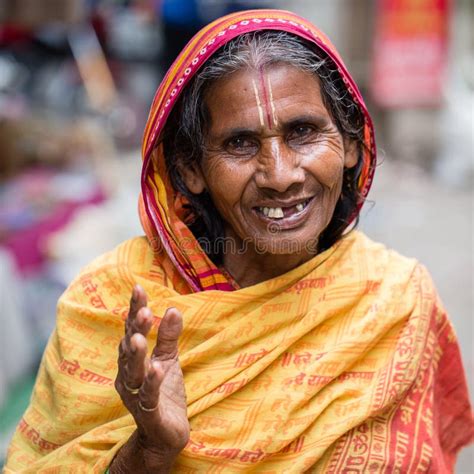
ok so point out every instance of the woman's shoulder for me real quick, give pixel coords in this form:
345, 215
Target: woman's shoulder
135, 253
379, 261
390, 277
377, 252
114, 273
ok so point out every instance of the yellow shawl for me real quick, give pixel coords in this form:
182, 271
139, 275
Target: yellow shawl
346, 362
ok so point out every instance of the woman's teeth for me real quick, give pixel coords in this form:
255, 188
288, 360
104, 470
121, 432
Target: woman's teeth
277, 212
273, 212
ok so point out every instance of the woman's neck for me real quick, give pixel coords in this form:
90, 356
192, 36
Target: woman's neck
251, 266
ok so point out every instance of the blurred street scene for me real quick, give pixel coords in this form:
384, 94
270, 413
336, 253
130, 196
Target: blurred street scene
77, 78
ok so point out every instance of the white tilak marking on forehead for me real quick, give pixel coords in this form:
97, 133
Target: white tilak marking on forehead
259, 104
270, 93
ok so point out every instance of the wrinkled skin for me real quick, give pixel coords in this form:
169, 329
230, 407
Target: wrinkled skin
163, 432
272, 143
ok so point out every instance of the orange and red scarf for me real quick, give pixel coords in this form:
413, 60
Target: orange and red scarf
159, 205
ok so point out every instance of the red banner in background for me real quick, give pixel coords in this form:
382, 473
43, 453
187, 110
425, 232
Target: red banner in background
410, 52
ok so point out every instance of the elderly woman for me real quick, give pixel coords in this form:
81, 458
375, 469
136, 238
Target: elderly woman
263, 334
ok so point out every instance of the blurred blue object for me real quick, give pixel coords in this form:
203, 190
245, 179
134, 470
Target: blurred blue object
182, 13
181, 19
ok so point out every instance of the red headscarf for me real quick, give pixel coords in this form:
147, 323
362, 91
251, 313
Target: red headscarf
160, 206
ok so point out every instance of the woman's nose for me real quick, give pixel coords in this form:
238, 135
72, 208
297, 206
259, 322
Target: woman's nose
278, 166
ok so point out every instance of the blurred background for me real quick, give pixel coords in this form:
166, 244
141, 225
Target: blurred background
77, 78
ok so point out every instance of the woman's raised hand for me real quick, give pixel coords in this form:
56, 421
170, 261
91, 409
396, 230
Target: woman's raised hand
152, 388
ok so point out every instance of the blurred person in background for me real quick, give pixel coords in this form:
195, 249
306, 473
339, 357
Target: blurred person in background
263, 332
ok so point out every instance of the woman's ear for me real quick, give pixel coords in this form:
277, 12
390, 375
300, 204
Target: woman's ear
351, 153
193, 178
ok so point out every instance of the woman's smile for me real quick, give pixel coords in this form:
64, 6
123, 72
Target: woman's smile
284, 215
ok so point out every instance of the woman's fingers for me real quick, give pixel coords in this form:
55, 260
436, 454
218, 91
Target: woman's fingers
142, 322
140, 318
131, 364
137, 302
135, 365
169, 331
150, 390
133, 346
136, 371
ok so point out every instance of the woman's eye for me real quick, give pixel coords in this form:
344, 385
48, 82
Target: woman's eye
241, 146
302, 133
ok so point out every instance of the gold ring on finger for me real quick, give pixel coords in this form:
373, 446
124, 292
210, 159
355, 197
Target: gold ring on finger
133, 391
144, 408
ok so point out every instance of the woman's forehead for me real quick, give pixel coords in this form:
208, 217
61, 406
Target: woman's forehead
248, 98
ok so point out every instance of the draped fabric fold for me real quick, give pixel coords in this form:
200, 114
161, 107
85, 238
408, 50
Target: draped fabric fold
347, 362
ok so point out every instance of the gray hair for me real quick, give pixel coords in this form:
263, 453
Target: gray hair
185, 132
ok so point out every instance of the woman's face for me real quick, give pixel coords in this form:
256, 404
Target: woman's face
274, 158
